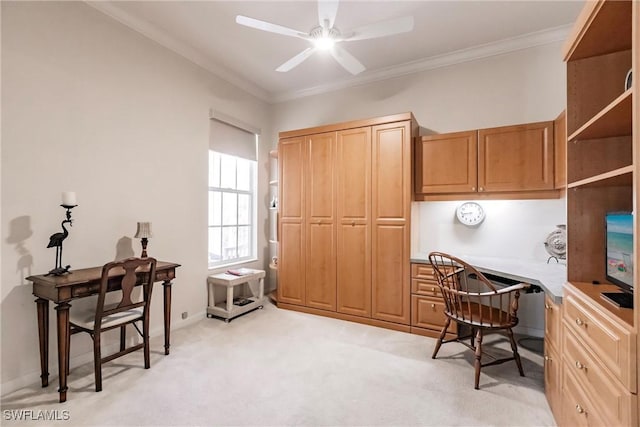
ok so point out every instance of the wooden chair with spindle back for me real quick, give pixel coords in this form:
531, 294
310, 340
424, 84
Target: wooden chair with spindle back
472, 300
102, 318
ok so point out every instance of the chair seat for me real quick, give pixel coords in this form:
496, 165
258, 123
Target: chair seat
482, 315
86, 319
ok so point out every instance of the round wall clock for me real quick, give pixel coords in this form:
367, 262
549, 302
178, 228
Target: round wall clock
470, 213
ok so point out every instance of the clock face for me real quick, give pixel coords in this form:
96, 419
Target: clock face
470, 213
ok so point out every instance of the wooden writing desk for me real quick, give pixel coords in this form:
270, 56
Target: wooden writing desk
79, 284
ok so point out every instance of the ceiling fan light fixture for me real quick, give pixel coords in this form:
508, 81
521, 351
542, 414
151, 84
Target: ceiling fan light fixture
324, 43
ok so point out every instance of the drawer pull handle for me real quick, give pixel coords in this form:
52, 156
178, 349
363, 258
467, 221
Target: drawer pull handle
579, 321
547, 359
579, 409
433, 306
547, 306
435, 291
580, 365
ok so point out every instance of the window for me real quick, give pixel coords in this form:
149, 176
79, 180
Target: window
232, 213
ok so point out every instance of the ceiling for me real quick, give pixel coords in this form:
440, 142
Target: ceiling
445, 32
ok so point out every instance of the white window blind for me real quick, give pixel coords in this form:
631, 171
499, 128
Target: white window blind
231, 140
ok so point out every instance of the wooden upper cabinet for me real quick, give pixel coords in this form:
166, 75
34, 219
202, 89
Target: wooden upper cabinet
516, 158
447, 163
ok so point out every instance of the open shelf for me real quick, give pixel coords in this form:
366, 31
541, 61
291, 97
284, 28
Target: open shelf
594, 33
616, 119
614, 178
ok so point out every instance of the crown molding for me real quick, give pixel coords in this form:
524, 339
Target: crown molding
464, 55
460, 56
159, 36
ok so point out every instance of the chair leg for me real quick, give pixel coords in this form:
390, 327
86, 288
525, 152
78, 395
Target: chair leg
145, 339
97, 360
442, 335
123, 336
478, 357
514, 348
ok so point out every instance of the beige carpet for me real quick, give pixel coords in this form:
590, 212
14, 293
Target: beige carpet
278, 367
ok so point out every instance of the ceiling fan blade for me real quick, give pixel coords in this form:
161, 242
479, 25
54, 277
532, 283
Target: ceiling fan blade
347, 60
296, 60
268, 26
380, 29
327, 10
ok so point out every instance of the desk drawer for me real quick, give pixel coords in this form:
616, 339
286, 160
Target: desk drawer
423, 271
428, 312
617, 404
426, 288
612, 344
552, 378
577, 408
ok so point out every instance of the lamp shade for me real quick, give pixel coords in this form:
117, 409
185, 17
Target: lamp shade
144, 230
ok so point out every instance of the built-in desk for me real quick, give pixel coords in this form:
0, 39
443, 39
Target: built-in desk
550, 277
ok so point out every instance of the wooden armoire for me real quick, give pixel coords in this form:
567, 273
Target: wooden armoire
344, 220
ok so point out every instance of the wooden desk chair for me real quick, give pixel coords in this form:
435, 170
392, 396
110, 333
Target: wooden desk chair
472, 300
120, 314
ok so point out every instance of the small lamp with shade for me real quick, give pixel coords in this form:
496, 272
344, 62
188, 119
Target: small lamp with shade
144, 233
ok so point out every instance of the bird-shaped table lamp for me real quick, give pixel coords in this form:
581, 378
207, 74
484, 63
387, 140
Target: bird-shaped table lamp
56, 239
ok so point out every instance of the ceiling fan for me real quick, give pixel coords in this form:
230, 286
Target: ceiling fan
326, 37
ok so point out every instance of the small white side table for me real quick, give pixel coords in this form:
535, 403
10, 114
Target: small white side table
227, 310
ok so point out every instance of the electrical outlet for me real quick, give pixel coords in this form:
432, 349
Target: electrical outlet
185, 314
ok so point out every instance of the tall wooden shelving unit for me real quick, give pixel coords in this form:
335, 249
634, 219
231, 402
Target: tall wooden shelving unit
602, 176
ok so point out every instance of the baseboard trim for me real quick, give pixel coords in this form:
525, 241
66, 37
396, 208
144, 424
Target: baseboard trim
348, 317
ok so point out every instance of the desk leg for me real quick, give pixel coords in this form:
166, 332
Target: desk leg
63, 348
42, 306
167, 314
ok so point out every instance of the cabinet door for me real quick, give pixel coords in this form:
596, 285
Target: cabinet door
516, 158
560, 150
320, 263
354, 226
447, 163
391, 206
291, 286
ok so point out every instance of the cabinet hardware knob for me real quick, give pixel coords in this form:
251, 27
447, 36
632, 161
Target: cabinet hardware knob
473, 188
547, 306
435, 291
481, 189
579, 409
353, 223
579, 321
579, 365
433, 306
547, 359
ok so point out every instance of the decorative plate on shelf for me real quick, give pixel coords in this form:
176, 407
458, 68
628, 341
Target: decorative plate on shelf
556, 242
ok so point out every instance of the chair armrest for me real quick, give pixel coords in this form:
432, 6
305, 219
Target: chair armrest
500, 291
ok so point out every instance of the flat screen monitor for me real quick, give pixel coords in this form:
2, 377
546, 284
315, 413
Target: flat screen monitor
619, 249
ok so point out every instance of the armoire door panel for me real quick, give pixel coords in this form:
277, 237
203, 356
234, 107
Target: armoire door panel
291, 277
291, 179
391, 293
321, 175
354, 227
390, 181
354, 269
291, 269
321, 267
391, 210
320, 219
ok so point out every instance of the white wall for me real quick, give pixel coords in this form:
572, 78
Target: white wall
519, 87
91, 106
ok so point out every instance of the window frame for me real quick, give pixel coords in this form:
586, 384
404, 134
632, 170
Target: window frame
253, 211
